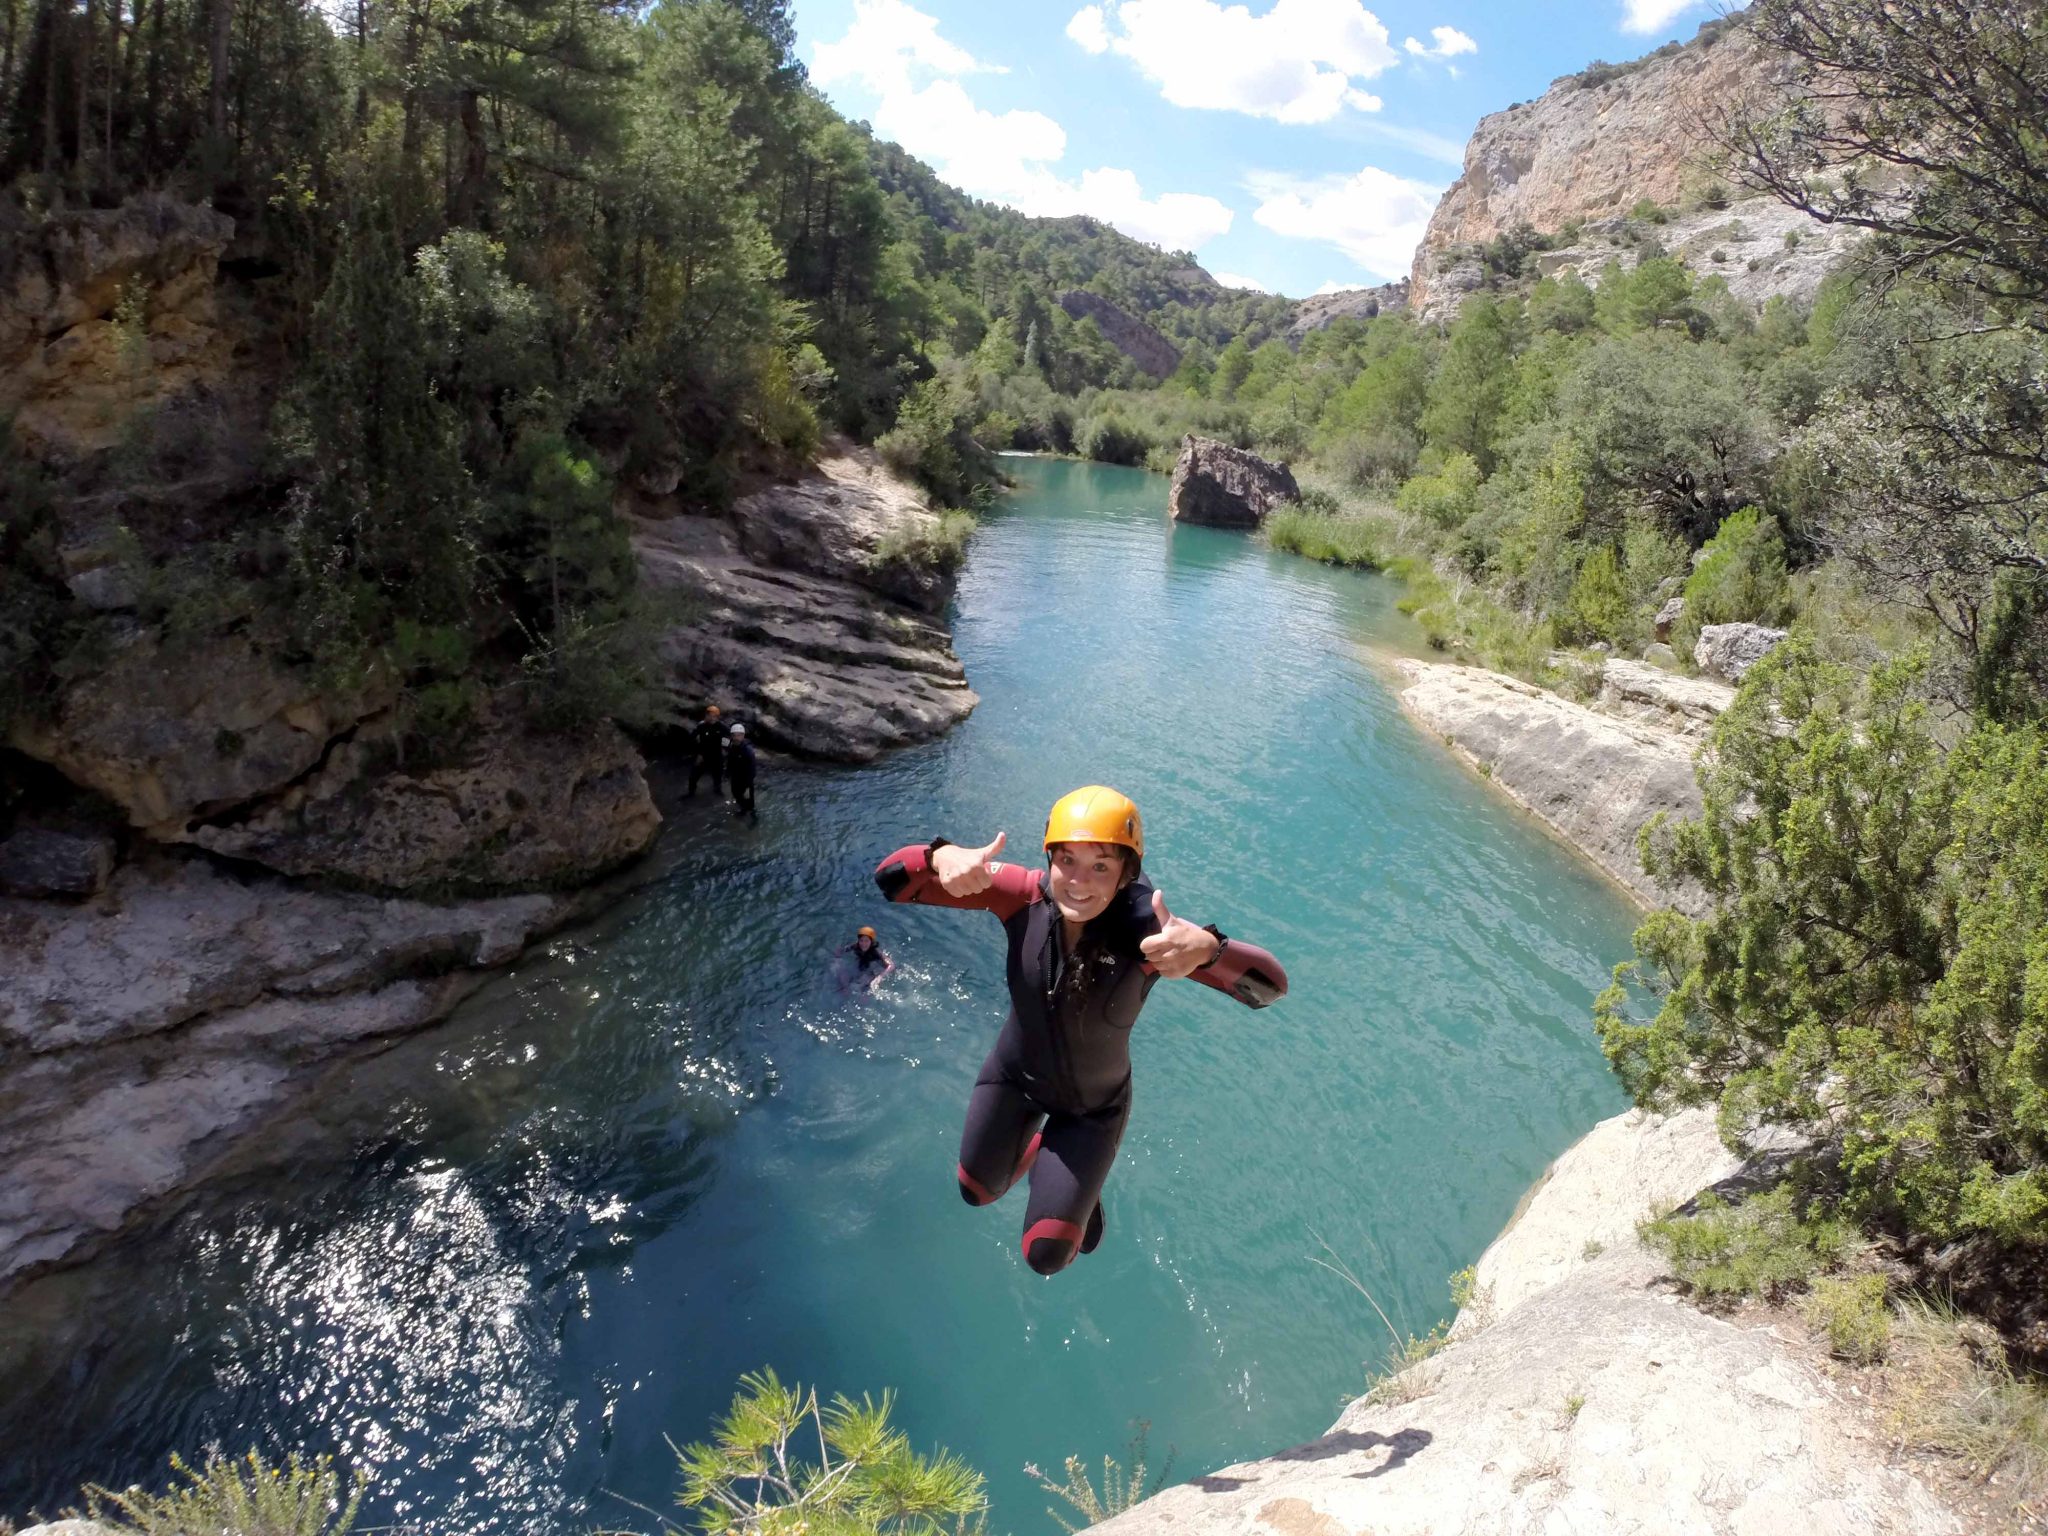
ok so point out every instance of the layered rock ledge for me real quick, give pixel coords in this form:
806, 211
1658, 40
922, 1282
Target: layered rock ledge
143, 1032
1594, 776
798, 615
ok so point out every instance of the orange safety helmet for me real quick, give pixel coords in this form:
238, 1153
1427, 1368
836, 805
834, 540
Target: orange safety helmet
864, 933
1096, 814
710, 711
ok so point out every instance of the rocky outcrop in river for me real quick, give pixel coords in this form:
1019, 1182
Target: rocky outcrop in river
1593, 775
797, 614
1580, 1393
1219, 486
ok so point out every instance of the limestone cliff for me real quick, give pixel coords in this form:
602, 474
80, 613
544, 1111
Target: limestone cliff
1595, 145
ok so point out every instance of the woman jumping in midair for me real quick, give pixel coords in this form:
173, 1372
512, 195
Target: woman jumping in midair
1088, 937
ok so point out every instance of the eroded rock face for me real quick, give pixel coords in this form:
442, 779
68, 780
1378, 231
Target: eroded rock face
824, 659
1593, 778
141, 1033
177, 735
833, 523
1126, 332
1323, 309
519, 810
1730, 650
72, 377
1219, 486
1688, 706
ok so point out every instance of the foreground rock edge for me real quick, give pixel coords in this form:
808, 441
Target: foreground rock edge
1581, 1393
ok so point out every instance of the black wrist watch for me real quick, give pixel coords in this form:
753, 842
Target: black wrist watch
1222, 943
933, 847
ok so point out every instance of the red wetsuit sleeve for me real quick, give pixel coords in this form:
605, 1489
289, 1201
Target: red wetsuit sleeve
906, 875
1247, 973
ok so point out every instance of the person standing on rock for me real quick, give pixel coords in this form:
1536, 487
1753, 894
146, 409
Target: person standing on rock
739, 768
707, 749
1088, 938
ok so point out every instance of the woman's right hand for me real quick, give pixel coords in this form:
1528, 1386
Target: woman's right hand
966, 871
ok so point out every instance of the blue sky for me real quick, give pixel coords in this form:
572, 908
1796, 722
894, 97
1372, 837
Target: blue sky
1293, 145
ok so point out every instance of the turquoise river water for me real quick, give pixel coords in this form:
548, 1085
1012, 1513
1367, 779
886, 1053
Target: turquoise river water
501, 1262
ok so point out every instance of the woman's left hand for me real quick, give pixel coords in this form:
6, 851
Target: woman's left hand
1179, 948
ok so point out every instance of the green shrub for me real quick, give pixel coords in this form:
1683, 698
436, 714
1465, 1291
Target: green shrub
1445, 498
939, 545
1740, 576
1598, 606
755, 1475
933, 443
1851, 1311
1649, 211
1761, 1247
1107, 440
1871, 967
244, 1497
1122, 1488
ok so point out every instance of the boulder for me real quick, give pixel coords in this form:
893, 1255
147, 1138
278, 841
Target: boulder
1730, 650
1219, 486
47, 861
1660, 655
174, 735
517, 810
1667, 616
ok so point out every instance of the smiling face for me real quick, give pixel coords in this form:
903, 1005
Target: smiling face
1085, 876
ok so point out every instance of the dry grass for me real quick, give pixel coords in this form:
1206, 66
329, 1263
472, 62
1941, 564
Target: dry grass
1952, 1391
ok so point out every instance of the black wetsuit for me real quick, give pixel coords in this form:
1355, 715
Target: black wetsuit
708, 740
1053, 1097
739, 767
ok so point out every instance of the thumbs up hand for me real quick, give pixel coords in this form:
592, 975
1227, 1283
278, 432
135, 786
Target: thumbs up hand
967, 871
1179, 948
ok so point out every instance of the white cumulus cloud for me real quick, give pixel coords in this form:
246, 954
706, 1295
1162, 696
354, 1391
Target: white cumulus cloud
1298, 63
1333, 286
1089, 29
1233, 280
1450, 42
1374, 217
887, 45
1652, 15
897, 54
